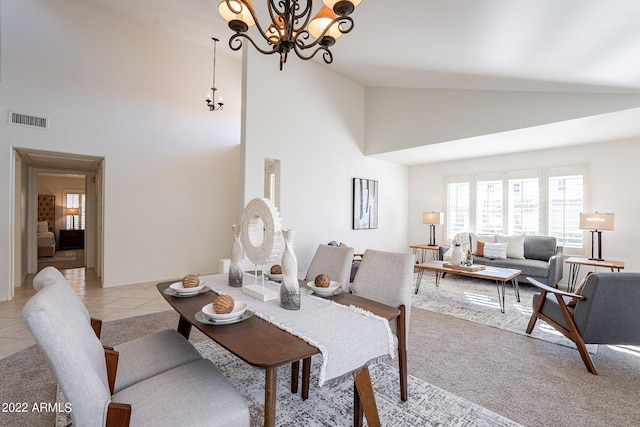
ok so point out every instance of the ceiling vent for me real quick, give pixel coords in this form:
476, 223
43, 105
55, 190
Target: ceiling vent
27, 120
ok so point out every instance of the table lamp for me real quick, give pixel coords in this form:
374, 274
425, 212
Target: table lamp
73, 212
596, 223
432, 218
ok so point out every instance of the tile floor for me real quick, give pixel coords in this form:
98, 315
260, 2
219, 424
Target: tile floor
102, 303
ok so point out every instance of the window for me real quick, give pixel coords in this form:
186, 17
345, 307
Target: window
524, 206
489, 207
566, 201
74, 200
458, 208
546, 202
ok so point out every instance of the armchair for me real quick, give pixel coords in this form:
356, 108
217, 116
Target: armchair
605, 312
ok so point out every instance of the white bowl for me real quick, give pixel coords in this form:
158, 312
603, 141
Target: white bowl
333, 286
239, 308
274, 277
179, 288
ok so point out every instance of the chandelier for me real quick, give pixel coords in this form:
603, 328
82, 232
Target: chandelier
290, 27
212, 96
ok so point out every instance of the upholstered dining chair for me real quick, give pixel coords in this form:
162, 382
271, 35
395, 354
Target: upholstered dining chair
605, 311
139, 358
87, 374
386, 277
334, 261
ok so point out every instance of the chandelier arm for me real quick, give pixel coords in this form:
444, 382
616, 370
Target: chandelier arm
327, 56
236, 38
345, 26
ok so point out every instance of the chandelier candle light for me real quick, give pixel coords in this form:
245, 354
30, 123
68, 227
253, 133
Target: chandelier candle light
290, 27
210, 97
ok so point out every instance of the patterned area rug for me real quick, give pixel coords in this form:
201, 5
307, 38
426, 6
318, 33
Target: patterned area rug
70, 258
477, 300
333, 406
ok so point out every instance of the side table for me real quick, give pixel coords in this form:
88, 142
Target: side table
576, 262
423, 249
71, 239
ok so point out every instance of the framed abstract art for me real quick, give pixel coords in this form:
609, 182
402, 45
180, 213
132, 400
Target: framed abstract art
365, 204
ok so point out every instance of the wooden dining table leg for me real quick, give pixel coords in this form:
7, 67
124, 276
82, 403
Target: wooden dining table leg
365, 398
306, 377
270, 397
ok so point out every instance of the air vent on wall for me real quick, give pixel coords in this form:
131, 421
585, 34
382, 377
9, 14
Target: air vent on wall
27, 120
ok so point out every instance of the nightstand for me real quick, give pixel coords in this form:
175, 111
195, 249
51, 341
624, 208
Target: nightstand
71, 239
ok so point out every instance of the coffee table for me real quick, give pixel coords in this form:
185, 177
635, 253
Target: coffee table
498, 274
265, 346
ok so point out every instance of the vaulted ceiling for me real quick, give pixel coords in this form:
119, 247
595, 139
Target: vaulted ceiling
583, 46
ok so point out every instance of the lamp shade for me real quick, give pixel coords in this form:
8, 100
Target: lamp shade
235, 10
321, 21
432, 217
72, 211
596, 221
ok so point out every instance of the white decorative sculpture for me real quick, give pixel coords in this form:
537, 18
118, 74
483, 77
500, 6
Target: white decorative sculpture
289, 288
260, 249
235, 268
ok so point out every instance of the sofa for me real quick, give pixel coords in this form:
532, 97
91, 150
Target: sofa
538, 257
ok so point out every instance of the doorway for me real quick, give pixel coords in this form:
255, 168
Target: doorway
75, 182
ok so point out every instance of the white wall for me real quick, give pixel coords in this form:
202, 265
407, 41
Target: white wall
614, 173
312, 120
114, 89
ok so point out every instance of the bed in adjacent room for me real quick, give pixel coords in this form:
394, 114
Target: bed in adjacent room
46, 225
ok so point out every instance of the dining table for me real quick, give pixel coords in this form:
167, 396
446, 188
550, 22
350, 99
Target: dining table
267, 345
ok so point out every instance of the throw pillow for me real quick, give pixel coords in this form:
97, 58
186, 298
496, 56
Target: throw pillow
573, 301
486, 238
515, 248
43, 226
479, 248
495, 250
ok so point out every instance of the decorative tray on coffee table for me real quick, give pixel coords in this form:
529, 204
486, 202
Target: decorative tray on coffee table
472, 267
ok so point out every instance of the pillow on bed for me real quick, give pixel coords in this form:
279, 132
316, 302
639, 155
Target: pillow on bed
43, 226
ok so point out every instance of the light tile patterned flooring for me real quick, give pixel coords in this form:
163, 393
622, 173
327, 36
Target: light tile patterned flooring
102, 303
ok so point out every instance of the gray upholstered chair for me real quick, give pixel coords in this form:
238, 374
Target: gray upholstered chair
334, 261
605, 311
386, 277
194, 393
140, 358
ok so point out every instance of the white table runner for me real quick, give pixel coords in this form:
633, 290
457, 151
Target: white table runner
348, 338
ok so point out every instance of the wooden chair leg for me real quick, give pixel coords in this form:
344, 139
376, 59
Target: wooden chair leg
295, 369
536, 310
574, 335
402, 353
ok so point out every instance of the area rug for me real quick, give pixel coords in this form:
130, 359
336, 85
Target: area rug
333, 406
477, 300
62, 260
